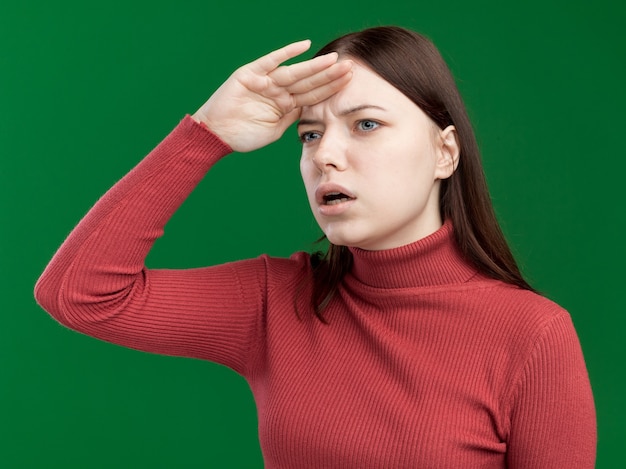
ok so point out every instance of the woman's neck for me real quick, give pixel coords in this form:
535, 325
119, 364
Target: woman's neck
430, 261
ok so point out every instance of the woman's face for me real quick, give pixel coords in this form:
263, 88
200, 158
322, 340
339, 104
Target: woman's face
372, 162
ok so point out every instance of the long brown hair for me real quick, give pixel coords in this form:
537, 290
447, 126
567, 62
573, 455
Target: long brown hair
412, 64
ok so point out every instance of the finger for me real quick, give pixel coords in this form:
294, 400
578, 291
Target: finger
288, 119
337, 70
288, 75
269, 62
323, 92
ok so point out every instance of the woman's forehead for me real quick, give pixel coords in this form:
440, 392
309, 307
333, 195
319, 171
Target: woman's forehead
365, 89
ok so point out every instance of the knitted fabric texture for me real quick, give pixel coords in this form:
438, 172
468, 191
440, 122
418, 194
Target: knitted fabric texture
424, 363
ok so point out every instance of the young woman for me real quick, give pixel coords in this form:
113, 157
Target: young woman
414, 342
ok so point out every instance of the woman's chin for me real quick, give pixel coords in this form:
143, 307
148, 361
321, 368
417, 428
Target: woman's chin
347, 241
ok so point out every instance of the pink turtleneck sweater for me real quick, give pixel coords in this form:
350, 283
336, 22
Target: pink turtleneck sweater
424, 363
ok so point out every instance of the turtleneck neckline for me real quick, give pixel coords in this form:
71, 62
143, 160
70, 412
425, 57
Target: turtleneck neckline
431, 261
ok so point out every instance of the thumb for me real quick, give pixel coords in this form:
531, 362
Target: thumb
289, 119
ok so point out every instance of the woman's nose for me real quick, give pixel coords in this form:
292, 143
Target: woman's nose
330, 154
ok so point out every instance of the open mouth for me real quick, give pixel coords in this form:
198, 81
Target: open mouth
334, 198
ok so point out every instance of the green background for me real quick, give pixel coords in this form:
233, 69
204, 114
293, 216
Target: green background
87, 89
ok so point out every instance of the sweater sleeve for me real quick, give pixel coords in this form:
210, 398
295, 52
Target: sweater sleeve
553, 422
97, 282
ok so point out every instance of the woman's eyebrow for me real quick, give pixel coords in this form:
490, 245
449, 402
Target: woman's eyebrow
343, 113
361, 107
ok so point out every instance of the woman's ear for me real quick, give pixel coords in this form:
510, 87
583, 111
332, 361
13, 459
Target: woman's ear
448, 152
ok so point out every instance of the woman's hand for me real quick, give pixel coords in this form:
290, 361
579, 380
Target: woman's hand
261, 99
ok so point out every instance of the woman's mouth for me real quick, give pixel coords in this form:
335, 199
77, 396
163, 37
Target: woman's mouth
334, 198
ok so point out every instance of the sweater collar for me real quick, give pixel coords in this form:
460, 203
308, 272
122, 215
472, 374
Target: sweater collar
430, 261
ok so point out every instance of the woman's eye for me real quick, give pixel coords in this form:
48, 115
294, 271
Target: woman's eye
306, 137
367, 125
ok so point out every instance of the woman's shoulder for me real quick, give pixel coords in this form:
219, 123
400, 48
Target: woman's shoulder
282, 268
525, 315
526, 302
276, 271
497, 295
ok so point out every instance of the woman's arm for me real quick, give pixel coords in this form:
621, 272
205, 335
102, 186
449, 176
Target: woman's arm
97, 282
552, 414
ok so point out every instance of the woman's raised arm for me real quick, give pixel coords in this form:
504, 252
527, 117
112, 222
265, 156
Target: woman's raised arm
97, 282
